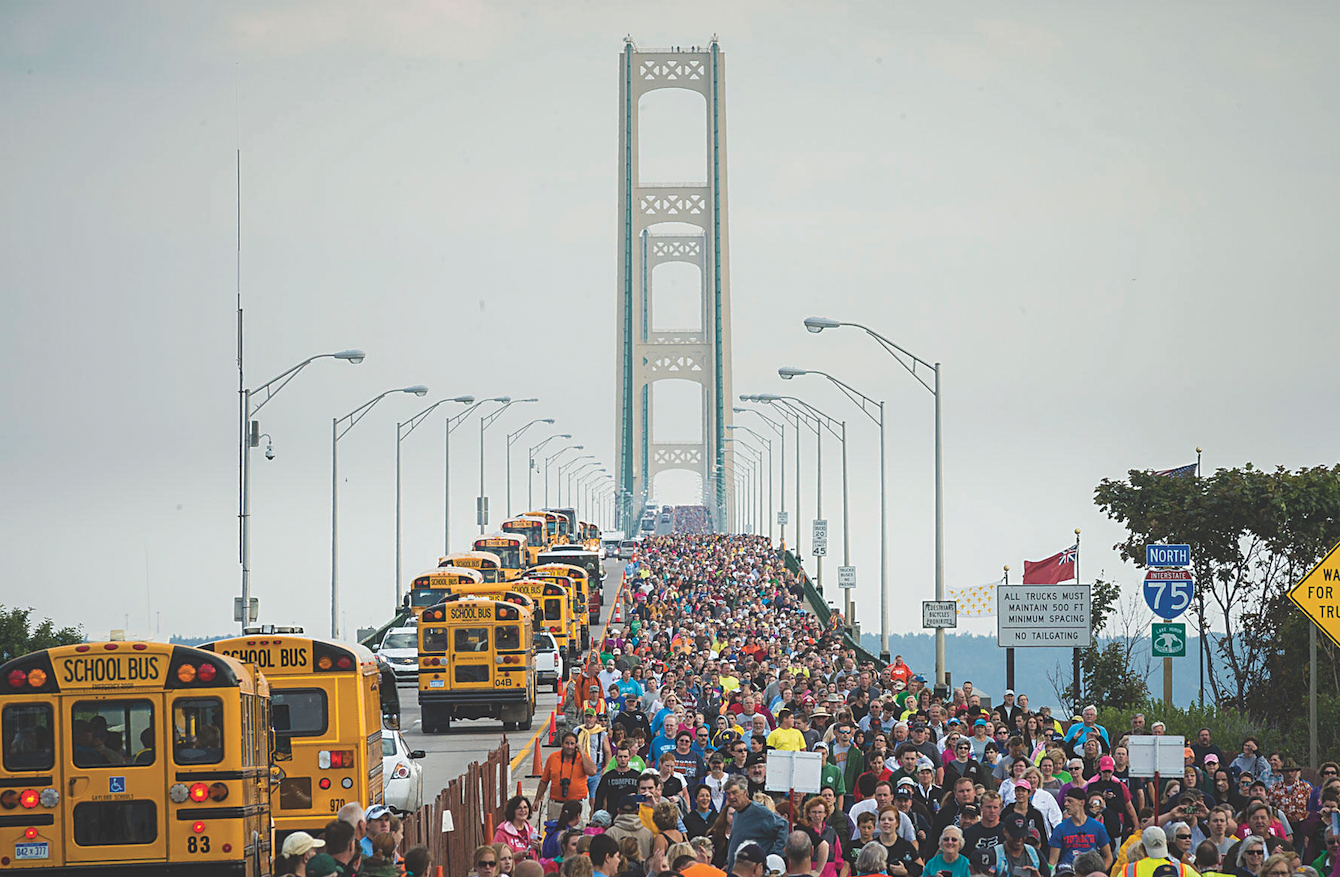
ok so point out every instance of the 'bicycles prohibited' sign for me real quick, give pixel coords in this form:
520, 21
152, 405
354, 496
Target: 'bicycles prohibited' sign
939, 614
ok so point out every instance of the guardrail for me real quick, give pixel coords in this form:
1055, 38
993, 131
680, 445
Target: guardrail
463, 815
820, 608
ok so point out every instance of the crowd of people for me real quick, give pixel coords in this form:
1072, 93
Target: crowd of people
357, 843
663, 765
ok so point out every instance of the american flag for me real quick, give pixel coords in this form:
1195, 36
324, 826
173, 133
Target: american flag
1180, 472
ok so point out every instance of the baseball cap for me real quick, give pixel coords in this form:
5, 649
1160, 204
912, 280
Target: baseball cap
1155, 842
589, 711
321, 865
299, 843
981, 722
1009, 692
1106, 763
1187, 753
1211, 757
753, 853
775, 864
1076, 793
970, 810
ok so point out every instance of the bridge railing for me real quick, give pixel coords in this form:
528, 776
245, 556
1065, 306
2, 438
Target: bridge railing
820, 608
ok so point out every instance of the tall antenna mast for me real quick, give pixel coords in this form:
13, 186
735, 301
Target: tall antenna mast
243, 427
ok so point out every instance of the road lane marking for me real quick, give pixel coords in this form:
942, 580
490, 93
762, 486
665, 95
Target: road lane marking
534, 741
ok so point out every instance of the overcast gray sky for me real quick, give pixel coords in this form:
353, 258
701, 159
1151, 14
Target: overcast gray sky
1114, 224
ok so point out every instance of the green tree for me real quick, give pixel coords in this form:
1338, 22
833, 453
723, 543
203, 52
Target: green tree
1253, 535
1107, 672
19, 637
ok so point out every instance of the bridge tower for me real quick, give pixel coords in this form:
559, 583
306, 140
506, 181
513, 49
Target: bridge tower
645, 355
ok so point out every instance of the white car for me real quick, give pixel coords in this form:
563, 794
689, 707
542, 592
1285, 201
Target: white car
402, 775
400, 648
548, 662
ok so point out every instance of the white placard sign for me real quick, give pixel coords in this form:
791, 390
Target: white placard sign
794, 771
819, 538
939, 614
1053, 616
1165, 754
846, 577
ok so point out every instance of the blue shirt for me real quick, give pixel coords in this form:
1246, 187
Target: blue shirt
937, 864
630, 687
1072, 839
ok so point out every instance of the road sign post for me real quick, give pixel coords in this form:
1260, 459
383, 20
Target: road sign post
1168, 593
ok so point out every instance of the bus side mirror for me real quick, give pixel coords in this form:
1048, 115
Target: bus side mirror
279, 721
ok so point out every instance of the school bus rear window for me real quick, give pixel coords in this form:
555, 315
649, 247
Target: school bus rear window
28, 741
435, 639
197, 736
307, 715
115, 823
553, 610
471, 639
113, 732
508, 637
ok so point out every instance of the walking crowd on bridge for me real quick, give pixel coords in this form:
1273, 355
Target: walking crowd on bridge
663, 765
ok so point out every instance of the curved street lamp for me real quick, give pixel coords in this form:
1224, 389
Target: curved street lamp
335, 435
250, 438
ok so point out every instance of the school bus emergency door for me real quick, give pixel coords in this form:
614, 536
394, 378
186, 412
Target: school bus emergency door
476, 660
327, 720
533, 531
573, 580
486, 562
134, 758
509, 548
431, 586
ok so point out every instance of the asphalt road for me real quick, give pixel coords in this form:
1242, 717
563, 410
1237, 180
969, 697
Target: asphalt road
449, 753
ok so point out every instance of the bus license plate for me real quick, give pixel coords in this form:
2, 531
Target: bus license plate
437, 683
40, 850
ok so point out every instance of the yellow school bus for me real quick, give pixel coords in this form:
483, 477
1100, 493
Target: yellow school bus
509, 548
134, 758
429, 586
476, 660
555, 526
552, 605
486, 562
590, 535
326, 710
533, 530
574, 581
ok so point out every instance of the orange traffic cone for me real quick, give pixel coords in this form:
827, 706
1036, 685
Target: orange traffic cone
439, 871
488, 828
518, 788
553, 729
536, 766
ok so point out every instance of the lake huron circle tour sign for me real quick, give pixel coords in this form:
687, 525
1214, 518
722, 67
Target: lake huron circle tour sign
1054, 616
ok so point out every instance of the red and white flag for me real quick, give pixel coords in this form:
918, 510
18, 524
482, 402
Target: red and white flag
1060, 567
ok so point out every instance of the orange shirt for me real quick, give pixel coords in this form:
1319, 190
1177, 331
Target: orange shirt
556, 769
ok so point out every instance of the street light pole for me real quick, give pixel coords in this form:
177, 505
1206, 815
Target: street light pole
485, 421
512, 437
335, 435
767, 443
452, 423
558, 482
862, 401
249, 439
780, 429
910, 361
530, 468
547, 460
400, 435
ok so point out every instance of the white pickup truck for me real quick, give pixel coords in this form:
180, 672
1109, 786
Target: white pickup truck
548, 662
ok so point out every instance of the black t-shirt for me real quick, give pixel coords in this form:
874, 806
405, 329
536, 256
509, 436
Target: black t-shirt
902, 851
979, 837
1114, 793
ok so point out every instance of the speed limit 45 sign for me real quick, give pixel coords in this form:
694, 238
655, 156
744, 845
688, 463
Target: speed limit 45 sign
1168, 591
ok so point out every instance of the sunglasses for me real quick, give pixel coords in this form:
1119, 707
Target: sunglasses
492, 863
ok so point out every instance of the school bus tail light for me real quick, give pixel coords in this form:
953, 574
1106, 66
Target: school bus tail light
186, 673
334, 759
28, 799
17, 679
324, 663
218, 791
198, 827
29, 833
199, 792
37, 677
49, 798
344, 663
9, 799
206, 672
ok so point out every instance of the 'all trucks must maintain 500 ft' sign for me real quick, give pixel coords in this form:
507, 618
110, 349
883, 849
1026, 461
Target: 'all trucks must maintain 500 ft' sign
1043, 615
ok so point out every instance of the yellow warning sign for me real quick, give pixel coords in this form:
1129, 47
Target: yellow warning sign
1318, 595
